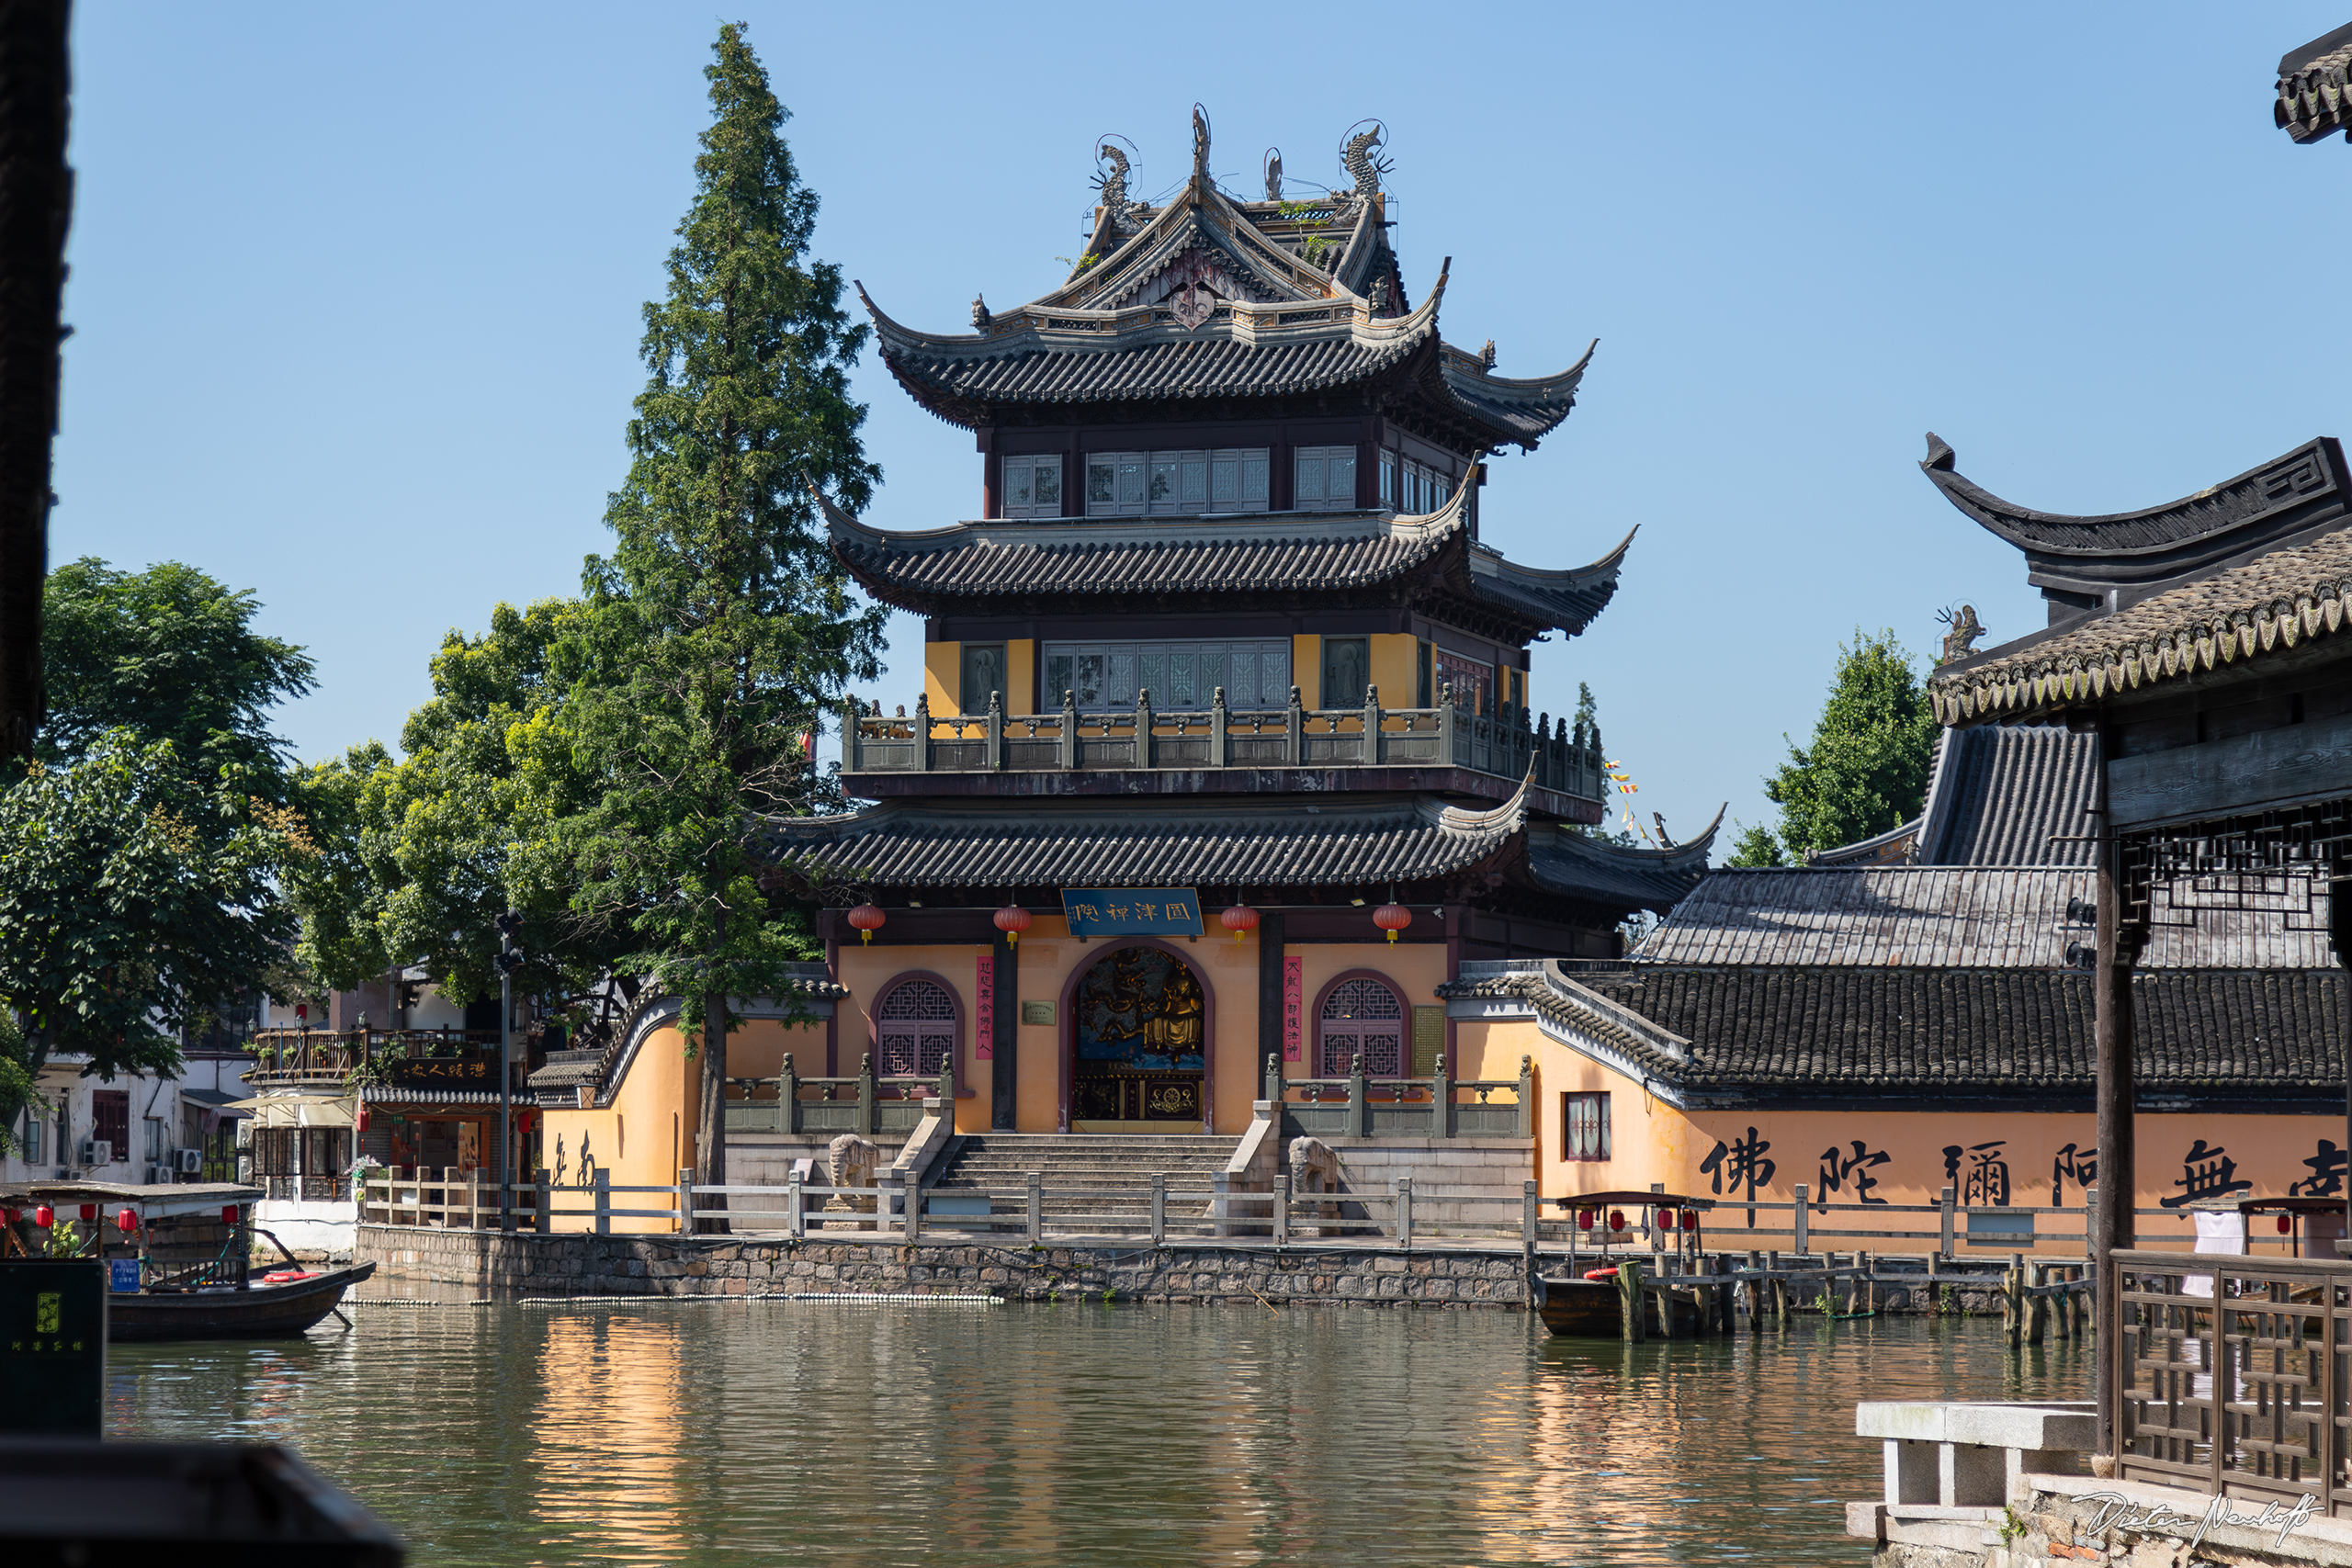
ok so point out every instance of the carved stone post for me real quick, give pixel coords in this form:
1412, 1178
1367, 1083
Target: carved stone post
1294, 729
1441, 1103
1220, 745
1070, 729
1358, 1101
1448, 756
923, 733
1526, 1098
1143, 726
1371, 724
787, 1097
996, 731
866, 1123
1273, 1077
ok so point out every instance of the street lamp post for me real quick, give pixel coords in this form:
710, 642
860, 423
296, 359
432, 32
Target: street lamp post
510, 958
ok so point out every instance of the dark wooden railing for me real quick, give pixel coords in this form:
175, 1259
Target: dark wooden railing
2231, 1375
1506, 744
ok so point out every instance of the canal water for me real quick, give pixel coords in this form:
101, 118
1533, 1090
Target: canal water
755, 1433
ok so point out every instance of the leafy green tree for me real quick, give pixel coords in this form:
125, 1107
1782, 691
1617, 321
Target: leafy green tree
424, 853
721, 630
1867, 768
170, 654
145, 842
137, 897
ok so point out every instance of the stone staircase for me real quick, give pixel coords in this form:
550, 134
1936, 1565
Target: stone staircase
1001, 1162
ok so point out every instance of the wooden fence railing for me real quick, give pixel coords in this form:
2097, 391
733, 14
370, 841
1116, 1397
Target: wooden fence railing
2233, 1376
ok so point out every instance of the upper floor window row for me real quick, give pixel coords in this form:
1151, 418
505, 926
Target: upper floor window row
1411, 486
1180, 483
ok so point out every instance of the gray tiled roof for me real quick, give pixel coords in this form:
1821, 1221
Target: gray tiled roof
1971, 916
1290, 842
1945, 1031
2011, 795
1017, 559
2280, 601
1192, 367
2314, 99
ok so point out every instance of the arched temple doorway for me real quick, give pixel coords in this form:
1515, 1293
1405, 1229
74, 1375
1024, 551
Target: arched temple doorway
1135, 1054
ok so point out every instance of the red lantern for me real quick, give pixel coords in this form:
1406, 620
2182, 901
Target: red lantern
867, 918
1584, 1219
89, 1214
126, 1222
1240, 920
2286, 1224
359, 1122
229, 1215
1392, 918
1616, 1219
12, 1215
1689, 1219
1013, 919
44, 1216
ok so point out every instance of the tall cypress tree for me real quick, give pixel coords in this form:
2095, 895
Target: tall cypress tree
721, 630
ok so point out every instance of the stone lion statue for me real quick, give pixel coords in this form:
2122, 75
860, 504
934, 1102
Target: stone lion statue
851, 1161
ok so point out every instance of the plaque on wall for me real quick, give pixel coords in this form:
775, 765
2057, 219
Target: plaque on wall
1037, 1013
1429, 1041
1131, 911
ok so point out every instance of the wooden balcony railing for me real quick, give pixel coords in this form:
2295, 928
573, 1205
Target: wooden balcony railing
1505, 744
454, 1059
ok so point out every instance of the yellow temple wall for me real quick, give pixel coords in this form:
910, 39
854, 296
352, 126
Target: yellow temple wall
1394, 665
867, 970
941, 668
2036, 1156
1021, 674
1306, 669
644, 1138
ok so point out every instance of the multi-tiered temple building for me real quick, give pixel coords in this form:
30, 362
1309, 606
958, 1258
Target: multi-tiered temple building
1224, 638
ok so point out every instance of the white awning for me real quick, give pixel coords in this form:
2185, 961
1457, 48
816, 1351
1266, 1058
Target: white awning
296, 1111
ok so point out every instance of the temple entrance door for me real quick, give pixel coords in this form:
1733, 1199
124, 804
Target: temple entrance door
1140, 1052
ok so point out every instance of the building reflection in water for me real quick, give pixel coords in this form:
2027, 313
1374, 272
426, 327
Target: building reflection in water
606, 1434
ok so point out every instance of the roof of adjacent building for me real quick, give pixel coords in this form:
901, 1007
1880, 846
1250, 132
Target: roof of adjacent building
1963, 917
2313, 99
2105, 563
1276, 844
1211, 297
1428, 560
2006, 795
1782, 1029
2281, 601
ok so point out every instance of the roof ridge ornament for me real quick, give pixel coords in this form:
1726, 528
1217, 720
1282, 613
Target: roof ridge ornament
1199, 142
1112, 183
1274, 164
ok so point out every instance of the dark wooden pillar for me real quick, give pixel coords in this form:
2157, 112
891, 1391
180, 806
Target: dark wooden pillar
1270, 994
1004, 1033
2339, 931
2117, 1153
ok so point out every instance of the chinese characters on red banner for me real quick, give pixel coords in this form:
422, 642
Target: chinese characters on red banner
984, 1010
1294, 1010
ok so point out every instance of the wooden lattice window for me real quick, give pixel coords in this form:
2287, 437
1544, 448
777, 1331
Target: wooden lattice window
1584, 1126
1362, 1018
916, 1029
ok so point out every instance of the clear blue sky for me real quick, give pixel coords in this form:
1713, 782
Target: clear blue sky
356, 290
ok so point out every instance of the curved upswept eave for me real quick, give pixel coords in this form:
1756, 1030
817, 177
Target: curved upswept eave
1529, 408
2148, 530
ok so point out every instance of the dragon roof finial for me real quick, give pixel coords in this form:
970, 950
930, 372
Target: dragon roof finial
1274, 174
1200, 142
1113, 184
1358, 157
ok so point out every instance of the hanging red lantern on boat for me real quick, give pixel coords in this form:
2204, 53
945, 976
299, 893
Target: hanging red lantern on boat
126, 1222
1013, 919
229, 1215
867, 918
89, 1214
1240, 920
1689, 1219
1584, 1219
44, 1216
1616, 1219
1392, 918
12, 1215
2286, 1224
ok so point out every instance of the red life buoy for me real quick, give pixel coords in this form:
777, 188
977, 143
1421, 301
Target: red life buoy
1610, 1273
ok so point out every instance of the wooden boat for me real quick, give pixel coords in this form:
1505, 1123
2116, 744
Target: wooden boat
1576, 1307
208, 1290
1589, 1309
259, 1310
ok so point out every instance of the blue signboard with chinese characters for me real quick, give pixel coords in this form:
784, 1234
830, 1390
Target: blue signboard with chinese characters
1132, 911
123, 1276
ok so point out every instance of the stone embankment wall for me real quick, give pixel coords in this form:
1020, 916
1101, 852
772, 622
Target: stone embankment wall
618, 1265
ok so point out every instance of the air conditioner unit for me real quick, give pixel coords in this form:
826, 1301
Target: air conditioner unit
97, 1151
191, 1161
159, 1174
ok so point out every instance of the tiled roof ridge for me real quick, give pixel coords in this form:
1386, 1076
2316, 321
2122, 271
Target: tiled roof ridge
1200, 204
2279, 600
2315, 97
